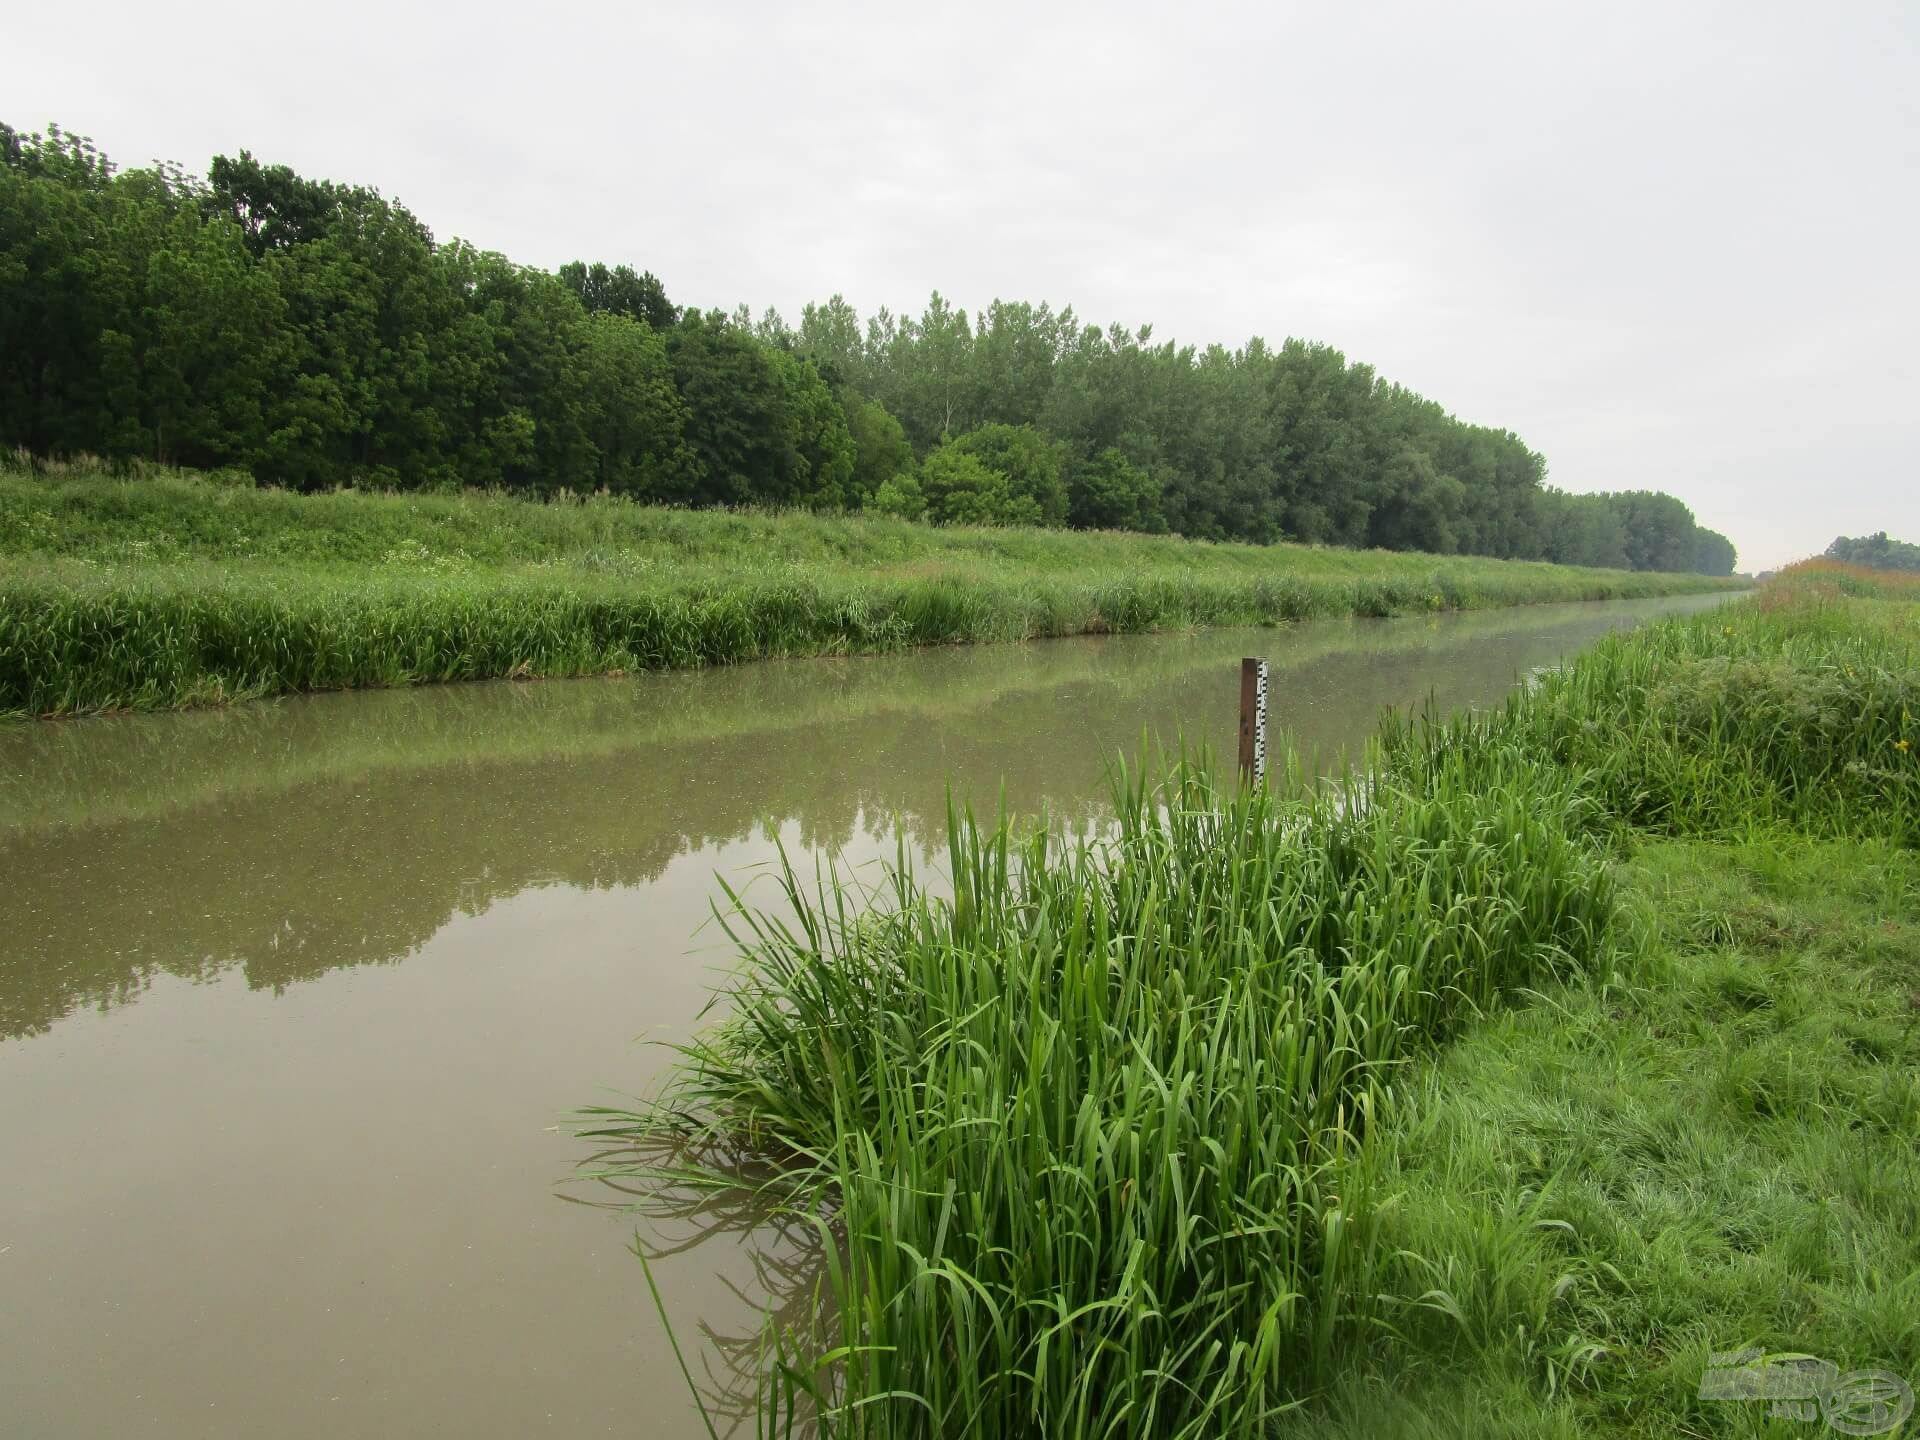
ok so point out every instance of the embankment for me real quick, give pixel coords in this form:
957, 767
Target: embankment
174, 590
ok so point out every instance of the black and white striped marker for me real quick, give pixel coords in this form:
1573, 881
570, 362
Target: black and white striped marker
1253, 722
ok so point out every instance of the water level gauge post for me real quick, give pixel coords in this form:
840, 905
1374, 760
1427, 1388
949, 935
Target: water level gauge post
1253, 722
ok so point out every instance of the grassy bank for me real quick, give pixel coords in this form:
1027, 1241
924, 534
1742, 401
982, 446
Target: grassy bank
1710, 1147
176, 589
1228, 1124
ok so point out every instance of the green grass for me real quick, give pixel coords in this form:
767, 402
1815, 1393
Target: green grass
173, 589
1227, 1124
1796, 713
1712, 1150
1088, 1126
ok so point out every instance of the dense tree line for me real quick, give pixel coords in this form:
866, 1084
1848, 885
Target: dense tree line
317, 335
1629, 530
1876, 552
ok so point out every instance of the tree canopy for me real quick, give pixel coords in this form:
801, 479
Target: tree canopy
1876, 552
318, 335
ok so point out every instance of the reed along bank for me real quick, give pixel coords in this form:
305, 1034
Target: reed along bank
1486, 1091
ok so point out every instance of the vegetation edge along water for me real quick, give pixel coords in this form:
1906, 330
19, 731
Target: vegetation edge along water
612, 784
1143, 1136
176, 589
55, 775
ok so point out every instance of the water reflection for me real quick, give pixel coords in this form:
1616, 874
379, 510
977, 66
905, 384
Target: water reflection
665, 1188
317, 983
292, 838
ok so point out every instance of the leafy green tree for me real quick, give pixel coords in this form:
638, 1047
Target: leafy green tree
821, 452
335, 378
277, 209
207, 339
1875, 551
880, 445
1014, 360
539, 332
1220, 454
1660, 530
57, 155
1713, 553
1421, 509
1580, 530
830, 336
62, 286
961, 490
620, 291
1109, 492
1031, 466
1328, 478
926, 363
735, 396
900, 495
633, 412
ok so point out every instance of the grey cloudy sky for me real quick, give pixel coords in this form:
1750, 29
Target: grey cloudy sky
1672, 245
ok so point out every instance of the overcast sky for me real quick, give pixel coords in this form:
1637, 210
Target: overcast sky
1672, 245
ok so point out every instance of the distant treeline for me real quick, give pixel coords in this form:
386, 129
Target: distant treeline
316, 335
1876, 552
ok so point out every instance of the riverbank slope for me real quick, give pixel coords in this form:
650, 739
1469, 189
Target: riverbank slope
1492, 1093
176, 589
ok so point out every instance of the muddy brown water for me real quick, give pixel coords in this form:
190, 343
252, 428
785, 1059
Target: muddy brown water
296, 998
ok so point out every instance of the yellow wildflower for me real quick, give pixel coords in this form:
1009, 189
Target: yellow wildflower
1900, 745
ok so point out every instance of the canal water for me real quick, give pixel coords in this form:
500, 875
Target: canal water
296, 999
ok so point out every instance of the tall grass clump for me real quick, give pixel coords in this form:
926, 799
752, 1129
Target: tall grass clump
1093, 1136
1824, 578
1796, 711
1084, 1136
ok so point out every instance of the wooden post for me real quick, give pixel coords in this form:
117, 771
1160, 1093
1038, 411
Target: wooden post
1253, 722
